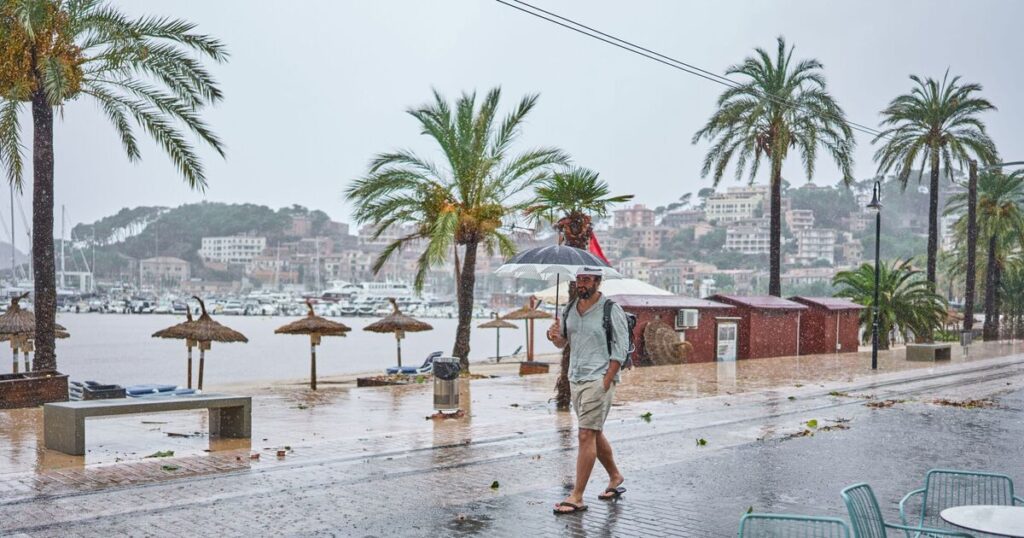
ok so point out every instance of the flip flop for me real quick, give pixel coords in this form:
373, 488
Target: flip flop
611, 494
575, 508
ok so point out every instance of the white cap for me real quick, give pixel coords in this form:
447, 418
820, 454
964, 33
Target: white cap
594, 271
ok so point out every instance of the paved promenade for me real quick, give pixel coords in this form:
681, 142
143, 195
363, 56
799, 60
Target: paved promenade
366, 463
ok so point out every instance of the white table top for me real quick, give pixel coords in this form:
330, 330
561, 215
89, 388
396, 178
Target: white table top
999, 520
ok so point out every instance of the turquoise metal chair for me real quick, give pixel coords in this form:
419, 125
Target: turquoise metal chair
945, 488
790, 526
866, 517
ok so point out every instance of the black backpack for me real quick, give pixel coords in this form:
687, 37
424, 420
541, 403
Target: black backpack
608, 333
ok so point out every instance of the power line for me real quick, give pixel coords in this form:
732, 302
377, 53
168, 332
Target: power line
691, 69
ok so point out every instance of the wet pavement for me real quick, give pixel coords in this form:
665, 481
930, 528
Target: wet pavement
364, 462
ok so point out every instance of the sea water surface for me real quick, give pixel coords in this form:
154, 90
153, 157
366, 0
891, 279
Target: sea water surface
117, 348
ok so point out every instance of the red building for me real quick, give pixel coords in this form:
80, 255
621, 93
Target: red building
693, 319
757, 327
829, 325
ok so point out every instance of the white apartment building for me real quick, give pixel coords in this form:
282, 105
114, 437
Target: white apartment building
814, 244
736, 203
799, 219
947, 224
748, 238
232, 249
638, 267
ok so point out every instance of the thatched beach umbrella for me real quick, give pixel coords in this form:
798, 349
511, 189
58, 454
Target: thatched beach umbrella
205, 331
17, 325
497, 324
397, 323
180, 332
316, 327
528, 313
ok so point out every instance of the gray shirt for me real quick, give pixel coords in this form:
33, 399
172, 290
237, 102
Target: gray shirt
588, 344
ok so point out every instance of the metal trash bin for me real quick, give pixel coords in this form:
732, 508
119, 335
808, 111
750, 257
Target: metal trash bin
446, 383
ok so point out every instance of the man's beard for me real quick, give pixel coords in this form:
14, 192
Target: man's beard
584, 293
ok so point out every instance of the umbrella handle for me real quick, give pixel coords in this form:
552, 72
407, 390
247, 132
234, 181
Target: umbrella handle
558, 283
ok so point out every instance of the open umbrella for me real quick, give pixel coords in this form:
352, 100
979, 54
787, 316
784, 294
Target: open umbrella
204, 331
554, 260
180, 332
529, 313
316, 327
398, 323
497, 324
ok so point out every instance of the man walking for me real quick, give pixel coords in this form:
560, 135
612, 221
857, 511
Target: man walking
595, 357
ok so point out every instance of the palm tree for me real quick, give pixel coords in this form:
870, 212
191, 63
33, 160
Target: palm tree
906, 301
1001, 225
782, 105
462, 204
1012, 289
570, 199
937, 122
145, 71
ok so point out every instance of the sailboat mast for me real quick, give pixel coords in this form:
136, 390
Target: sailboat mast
14, 278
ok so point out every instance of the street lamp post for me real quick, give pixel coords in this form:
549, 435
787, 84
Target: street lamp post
876, 206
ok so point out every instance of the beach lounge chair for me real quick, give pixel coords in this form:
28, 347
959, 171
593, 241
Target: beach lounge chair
425, 368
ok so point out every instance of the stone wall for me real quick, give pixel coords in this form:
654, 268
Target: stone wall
32, 389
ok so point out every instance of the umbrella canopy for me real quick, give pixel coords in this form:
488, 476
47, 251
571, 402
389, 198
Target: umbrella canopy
179, 331
525, 312
498, 323
622, 286
314, 324
397, 322
552, 260
16, 320
205, 329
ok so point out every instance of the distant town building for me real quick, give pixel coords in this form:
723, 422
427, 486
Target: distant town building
638, 267
947, 224
682, 277
808, 275
232, 249
852, 252
858, 221
750, 237
744, 281
683, 218
736, 203
813, 244
638, 216
163, 271
650, 240
701, 229
799, 219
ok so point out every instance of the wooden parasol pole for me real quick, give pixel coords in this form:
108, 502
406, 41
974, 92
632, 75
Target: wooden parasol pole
189, 344
14, 346
314, 339
497, 344
398, 340
202, 361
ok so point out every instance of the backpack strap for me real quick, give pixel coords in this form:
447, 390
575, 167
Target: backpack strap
565, 317
608, 304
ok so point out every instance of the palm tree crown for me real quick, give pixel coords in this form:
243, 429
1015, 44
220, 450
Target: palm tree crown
571, 198
780, 105
462, 203
937, 125
906, 302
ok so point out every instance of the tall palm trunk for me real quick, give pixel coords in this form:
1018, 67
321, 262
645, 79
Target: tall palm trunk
464, 298
990, 330
933, 217
43, 264
972, 246
775, 237
998, 308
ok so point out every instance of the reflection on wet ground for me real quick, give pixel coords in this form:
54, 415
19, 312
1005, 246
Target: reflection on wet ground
371, 420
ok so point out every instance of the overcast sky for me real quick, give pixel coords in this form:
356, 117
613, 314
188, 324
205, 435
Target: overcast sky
314, 88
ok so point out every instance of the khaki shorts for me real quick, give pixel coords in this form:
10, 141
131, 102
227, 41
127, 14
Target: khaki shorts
591, 403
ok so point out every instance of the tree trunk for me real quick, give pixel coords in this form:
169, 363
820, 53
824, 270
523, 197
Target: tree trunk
43, 265
972, 246
990, 330
576, 232
998, 308
464, 298
933, 218
775, 237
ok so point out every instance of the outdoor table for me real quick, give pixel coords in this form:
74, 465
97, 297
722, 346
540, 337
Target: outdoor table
998, 520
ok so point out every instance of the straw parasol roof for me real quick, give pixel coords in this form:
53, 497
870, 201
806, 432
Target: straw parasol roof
525, 312
397, 321
314, 324
205, 329
16, 320
662, 343
179, 331
498, 323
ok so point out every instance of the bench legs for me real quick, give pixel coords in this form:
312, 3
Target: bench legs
64, 430
231, 422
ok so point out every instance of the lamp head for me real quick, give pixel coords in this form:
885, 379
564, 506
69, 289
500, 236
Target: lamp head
876, 194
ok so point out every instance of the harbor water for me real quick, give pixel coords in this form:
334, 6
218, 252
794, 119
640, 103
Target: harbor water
117, 348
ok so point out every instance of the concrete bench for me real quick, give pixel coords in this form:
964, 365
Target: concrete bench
929, 352
64, 423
